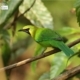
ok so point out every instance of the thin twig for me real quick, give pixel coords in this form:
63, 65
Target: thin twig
14, 23
27, 9
68, 74
37, 57
11, 23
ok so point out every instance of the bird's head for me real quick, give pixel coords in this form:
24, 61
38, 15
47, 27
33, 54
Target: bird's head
29, 29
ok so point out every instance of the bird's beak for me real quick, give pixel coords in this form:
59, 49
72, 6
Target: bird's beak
22, 30
25, 30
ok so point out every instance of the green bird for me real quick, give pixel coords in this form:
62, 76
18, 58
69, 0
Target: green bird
47, 38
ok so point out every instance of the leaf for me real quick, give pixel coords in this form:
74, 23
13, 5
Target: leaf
6, 14
67, 31
5, 46
5, 35
39, 50
77, 6
45, 76
77, 3
6, 52
38, 14
34, 65
58, 65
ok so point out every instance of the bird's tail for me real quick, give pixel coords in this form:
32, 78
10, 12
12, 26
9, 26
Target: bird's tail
65, 49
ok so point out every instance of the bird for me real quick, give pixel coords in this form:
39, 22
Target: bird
46, 37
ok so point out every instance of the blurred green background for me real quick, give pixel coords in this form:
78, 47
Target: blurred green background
16, 46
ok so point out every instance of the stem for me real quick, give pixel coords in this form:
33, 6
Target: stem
37, 57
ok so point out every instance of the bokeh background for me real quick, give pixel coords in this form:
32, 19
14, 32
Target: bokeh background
16, 46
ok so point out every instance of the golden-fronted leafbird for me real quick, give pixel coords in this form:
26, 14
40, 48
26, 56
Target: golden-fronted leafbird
47, 38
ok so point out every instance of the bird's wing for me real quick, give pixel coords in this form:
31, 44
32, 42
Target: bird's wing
46, 34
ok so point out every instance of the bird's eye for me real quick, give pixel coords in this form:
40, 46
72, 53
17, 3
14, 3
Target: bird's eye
27, 30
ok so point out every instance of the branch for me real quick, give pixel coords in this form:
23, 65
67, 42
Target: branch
37, 57
14, 23
68, 74
27, 9
11, 23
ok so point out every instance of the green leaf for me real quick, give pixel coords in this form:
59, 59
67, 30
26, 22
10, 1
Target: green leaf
6, 52
67, 31
77, 6
5, 35
5, 46
12, 7
39, 50
38, 14
58, 65
77, 3
34, 65
45, 76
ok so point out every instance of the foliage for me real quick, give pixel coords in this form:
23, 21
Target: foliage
5, 15
38, 15
13, 46
77, 6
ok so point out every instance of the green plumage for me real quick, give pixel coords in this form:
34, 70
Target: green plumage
48, 38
